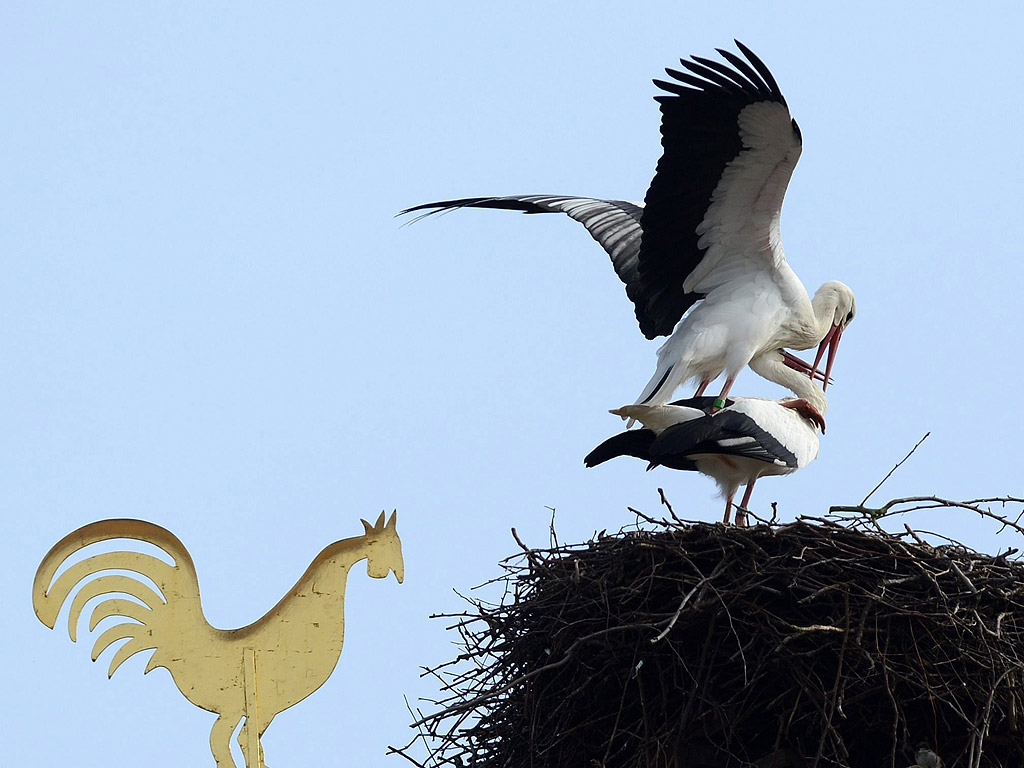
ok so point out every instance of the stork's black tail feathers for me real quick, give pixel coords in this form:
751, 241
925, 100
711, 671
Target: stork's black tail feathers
634, 442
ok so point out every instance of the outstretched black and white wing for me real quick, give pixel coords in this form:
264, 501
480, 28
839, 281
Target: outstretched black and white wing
614, 224
711, 214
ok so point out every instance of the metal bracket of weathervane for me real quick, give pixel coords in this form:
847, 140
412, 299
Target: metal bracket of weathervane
251, 673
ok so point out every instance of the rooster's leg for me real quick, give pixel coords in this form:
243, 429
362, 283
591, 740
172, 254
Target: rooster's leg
220, 740
259, 737
243, 736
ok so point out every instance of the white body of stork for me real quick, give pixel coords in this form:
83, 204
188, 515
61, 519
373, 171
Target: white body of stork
702, 257
747, 439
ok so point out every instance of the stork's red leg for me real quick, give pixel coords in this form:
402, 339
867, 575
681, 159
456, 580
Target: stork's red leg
724, 394
741, 510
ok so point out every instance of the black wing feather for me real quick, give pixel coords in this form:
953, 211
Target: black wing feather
701, 403
614, 224
753, 78
708, 74
762, 70
632, 442
637, 443
719, 67
705, 436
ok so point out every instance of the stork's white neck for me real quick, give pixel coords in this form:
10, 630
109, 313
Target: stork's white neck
770, 366
812, 319
833, 304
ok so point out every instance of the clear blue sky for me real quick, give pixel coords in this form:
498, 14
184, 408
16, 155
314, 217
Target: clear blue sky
210, 318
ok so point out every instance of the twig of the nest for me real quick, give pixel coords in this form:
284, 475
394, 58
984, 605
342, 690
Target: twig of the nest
891, 471
702, 586
668, 506
909, 504
531, 555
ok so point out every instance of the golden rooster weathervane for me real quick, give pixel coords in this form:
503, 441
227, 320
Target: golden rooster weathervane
252, 673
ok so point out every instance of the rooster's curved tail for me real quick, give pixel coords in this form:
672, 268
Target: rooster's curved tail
152, 616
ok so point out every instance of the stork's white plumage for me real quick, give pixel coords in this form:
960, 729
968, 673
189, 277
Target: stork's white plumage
748, 439
702, 257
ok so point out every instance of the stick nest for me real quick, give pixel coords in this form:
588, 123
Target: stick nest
708, 645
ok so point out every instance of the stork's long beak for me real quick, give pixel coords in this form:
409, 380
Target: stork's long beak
800, 365
831, 341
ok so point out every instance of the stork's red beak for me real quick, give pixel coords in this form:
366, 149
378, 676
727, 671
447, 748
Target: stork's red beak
831, 341
800, 365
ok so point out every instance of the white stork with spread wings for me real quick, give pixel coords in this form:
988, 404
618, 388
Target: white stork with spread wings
702, 257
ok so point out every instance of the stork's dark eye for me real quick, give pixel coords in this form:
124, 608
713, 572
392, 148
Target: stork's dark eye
849, 316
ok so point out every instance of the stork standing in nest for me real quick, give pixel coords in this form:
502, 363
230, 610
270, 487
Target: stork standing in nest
747, 439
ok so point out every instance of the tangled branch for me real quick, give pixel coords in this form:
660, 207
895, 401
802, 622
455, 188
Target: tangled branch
859, 515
